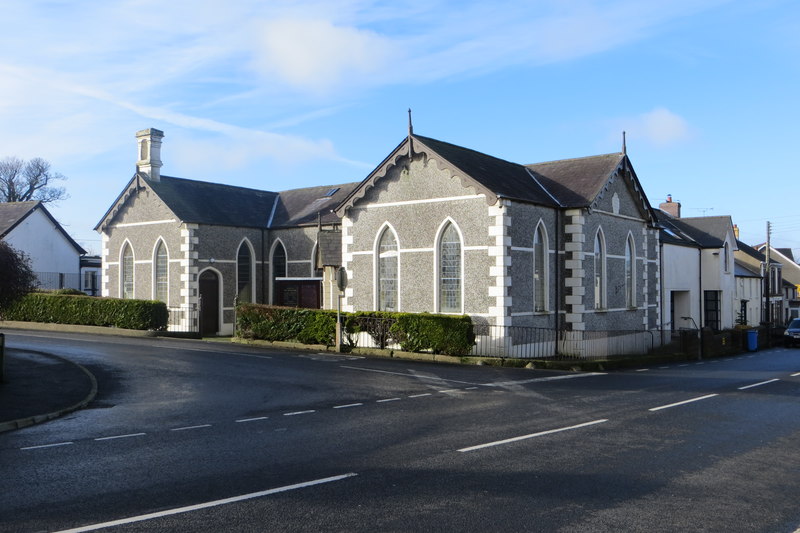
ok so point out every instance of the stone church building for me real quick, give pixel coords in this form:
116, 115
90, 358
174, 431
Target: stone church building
565, 245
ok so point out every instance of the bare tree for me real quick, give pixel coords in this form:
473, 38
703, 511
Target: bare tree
18, 279
22, 181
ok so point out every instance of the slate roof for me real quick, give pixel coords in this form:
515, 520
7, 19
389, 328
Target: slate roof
704, 232
13, 213
503, 178
787, 252
301, 207
577, 182
742, 270
568, 183
215, 204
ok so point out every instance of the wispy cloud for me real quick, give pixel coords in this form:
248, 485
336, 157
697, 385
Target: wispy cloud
101, 67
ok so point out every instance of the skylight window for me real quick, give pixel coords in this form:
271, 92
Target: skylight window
331, 192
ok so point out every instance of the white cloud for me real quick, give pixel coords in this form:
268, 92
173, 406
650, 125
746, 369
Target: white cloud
316, 55
662, 127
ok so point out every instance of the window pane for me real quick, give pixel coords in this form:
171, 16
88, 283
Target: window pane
278, 269
243, 274
630, 297
539, 265
127, 272
599, 273
162, 279
387, 272
450, 271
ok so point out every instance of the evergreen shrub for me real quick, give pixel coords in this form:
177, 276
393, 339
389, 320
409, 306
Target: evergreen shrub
439, 334
87, 311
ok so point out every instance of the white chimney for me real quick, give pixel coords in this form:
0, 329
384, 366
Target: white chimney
149, 163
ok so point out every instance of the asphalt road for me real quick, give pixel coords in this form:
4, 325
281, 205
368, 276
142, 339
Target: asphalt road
190, 436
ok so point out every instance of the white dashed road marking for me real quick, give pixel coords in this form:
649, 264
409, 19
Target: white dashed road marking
252, 419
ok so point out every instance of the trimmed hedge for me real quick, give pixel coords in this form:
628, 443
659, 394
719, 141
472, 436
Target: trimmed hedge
440, 334
88, 311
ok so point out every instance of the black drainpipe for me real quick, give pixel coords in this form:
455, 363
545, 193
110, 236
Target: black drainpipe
263, 266
558, 275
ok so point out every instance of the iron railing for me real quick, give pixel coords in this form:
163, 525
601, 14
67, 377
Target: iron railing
523, 342
58, 280
185, 319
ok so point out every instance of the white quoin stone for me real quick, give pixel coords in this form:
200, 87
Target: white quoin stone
149, 145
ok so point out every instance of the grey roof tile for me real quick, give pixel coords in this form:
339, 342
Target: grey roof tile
215, 204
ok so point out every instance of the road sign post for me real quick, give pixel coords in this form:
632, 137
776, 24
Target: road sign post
341, 284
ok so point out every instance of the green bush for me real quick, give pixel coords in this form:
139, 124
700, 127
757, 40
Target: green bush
264, 322
319, 328
445, 334
377, 324
82, 310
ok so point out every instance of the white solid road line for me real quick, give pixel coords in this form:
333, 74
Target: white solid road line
683, 402
47, 446
532, 435
406, 374
191, 427
215, 503
540, 380
759, 384
121, 436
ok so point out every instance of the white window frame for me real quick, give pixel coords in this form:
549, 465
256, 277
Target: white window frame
438, 268
600, 273
126, 245
159, 243
541, 285
630, 272
251, 252
378, 257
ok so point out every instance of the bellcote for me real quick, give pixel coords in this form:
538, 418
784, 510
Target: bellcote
149, 144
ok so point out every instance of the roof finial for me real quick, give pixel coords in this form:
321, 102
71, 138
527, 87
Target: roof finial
410, 126
624, 148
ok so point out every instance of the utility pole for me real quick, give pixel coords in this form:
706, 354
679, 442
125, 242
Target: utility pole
767, 290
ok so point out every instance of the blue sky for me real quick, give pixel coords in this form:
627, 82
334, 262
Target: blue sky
283, 94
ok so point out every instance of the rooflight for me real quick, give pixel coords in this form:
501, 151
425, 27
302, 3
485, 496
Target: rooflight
331, 192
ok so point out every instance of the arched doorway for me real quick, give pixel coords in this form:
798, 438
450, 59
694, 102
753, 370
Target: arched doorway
209, 298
